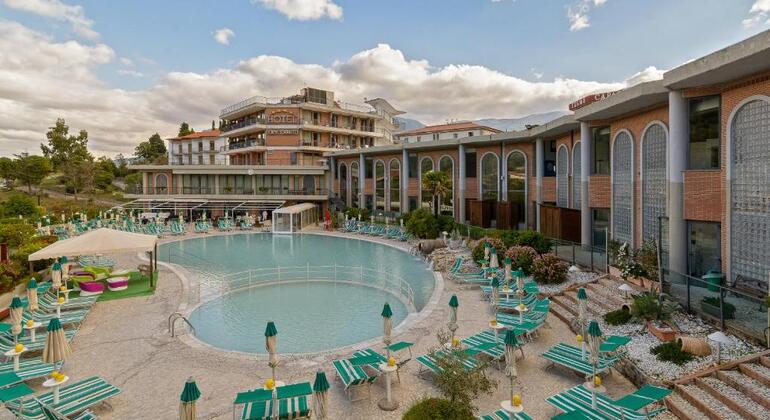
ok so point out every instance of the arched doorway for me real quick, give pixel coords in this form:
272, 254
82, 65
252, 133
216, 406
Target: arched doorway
562, 177
653, 179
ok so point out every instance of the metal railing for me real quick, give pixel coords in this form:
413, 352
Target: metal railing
728, 307
263, 100
243, 144
592, 257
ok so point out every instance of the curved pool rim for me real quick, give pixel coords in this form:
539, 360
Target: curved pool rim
186, 308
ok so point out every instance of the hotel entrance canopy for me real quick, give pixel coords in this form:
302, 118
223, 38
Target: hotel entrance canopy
294, 218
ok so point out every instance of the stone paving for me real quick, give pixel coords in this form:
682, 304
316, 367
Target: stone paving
128, 343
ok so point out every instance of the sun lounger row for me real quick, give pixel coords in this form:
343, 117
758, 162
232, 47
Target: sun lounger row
293, 401
352, 226
363, 368
73, 399
579, 400
572, 358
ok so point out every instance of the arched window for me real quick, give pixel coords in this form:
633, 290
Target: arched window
623, 188
379, 185
447, 166
653, 180
516, 166
576, 176
395, 185
562, 177
354, 187
749, 191
426, 165
161, 184
489, 177
343, 180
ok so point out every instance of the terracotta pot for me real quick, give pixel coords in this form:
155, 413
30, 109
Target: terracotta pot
663, 334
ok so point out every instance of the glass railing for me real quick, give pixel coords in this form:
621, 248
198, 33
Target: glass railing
240, 124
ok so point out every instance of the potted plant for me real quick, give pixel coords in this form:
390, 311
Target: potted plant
648, 308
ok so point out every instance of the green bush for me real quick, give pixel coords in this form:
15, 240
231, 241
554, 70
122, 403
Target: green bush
510, 237
20, 205
422, 224
671, 352
478, 251
728, 308
19, 256
446, 223
535, 240
647, 307
15, 234
521, 257
618, 317
437, 409
549, 269
354, 212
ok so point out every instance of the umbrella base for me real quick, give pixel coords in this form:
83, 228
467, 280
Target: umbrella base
386, 405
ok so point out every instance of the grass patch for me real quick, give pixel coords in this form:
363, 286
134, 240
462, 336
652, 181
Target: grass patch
618, 317
671, 352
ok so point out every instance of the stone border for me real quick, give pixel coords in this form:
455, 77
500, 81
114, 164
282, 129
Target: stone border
405, 326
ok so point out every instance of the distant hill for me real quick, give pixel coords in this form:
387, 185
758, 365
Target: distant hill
514, 124
408, 123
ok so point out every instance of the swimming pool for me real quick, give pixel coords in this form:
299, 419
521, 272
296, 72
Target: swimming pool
322, 292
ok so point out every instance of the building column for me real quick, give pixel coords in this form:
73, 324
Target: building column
461, 184
404, 181
585, 179
503, 175
678, 125
539, 170
332, 177
145, 183
361, 181
216, 184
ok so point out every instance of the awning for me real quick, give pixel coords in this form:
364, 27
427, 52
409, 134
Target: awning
182, 204
99, 241
297, 208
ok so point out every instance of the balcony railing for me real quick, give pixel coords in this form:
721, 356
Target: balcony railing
243, 144
243, 123
225, 191
338, 125
263, 100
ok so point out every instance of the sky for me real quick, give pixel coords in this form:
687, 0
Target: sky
123, 70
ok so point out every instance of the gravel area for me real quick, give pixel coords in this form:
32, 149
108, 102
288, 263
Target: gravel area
722, 410
759, 368
685, 406
573, 277
742, 379
738, 397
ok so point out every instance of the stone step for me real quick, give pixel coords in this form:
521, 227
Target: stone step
560, 312
612, 298
733, 398
565, 304
706, 403
757, 372
753, 389
597, 302
679, 407
765, 361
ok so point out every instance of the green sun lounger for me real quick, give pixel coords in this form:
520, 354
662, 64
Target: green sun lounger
502, 415
352, 374
571, 358
73, 398
7, 342
643, 397
430, 361
579, 399
29, 368
293, 402
51, 414
67, 317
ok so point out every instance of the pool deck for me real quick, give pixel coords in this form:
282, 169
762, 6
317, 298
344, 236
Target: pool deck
128, 343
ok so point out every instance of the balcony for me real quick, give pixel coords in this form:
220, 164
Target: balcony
247, 122
226, 191
243, 144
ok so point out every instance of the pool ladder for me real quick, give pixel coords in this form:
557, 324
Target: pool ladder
172, 321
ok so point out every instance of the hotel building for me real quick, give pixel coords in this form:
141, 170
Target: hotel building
447, 131
201, 148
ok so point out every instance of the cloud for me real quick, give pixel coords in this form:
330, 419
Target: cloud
44, 79
132, 73
126, 61
55, 9
577, 14
759, 11
304, 9
223, 35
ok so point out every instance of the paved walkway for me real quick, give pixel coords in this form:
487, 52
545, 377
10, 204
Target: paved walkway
127, 342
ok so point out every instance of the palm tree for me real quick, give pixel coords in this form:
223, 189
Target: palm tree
437, 183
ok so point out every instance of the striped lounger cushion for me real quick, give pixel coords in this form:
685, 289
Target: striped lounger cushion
579, 399
431, 364
72, 398
351, 375
483, 338
28, 368
502, 415
288, 408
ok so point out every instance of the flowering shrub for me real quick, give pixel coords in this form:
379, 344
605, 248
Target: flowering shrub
522, 257
549, 269
478, 250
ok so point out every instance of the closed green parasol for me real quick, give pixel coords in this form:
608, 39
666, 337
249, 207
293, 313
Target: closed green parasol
187, 406
320, 391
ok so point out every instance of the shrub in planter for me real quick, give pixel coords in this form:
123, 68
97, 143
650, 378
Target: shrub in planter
522, 257
647, 307
671, 352
478, 250
510, 237
549, 269
445, 223
437, 409
533, 239
422, 224
710, 305
618, 317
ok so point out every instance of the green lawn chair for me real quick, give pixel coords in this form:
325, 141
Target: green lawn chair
429, 362
50, 413
7, 341
571, 358
396, 350
643, 398
502, 415
353, 376
293, 402
29, 368
73, 398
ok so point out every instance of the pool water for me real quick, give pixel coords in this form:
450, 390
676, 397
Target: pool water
310, 316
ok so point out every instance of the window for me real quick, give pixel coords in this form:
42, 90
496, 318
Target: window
161, 184
447, 166
489, 177
412, 165
200, 146
179, 148
600, 222
212, 145
454, 135
470, 134
576, 176
200, 159
703, 248
212, 160
354, 184
412, 203
379, 185
426, 198
395, 187
189, 147
418, 138
704, 133
517, 186
549, 158
343, 179
293, 158
600, 152
470, 164
368, 167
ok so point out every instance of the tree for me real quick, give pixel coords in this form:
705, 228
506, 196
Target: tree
31, 170
7, 169
17, 205
438, 184
105, 172
63, 147
185, 129
79, 176
121, 166
151, 150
